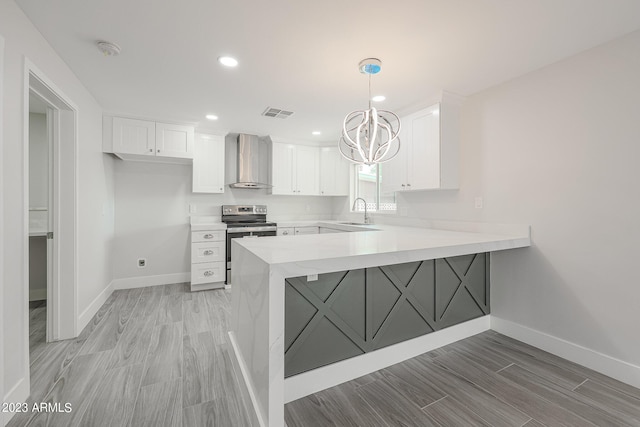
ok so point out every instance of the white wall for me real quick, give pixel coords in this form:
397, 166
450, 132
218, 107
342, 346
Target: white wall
95, 198
558, 149
152, 213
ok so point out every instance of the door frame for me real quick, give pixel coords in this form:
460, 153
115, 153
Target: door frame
2, 347
62, 307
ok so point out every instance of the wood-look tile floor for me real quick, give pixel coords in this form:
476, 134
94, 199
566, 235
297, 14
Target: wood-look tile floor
485, 380
158, 356
150, 357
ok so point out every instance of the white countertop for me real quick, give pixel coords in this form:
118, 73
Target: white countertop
375, 244
204, 223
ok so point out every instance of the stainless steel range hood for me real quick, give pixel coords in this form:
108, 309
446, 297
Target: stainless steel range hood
253, 162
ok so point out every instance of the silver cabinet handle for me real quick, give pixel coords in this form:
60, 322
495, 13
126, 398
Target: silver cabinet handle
151, 150
208, 236
208, 273
208, 252
408, 185
285, 233
403, 185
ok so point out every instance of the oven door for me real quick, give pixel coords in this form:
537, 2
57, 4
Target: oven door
242, 234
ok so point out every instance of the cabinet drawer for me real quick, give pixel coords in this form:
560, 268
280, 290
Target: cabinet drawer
285, 231
208, 236
207, 252
208, 272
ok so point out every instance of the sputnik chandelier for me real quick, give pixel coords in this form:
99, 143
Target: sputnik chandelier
370, 136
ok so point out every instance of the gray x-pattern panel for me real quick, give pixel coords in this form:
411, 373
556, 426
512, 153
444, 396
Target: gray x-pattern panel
348, 313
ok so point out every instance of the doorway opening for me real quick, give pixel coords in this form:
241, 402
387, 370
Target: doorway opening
40, 218
50, 205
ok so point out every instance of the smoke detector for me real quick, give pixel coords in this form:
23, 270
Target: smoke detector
108, 48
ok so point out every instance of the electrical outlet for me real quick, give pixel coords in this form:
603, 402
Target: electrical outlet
478, 203
192, 208
312, 277
142, 262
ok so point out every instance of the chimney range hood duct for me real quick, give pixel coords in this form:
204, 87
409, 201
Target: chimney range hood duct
253, 162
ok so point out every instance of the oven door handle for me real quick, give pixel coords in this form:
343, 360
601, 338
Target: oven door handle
249, 229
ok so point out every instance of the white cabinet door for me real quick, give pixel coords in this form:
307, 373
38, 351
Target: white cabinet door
422, 160
282, 169
307, 230
174, 141
327, 230
334, 172
424, 150
134, 136
285, 231
208, 164
307, 166
394, 172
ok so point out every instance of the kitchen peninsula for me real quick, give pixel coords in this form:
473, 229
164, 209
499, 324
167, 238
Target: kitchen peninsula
313, 311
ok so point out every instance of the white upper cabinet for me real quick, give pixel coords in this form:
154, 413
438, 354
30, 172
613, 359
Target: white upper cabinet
134, 136
428, 157
208, 164
174, 140
132, 139
295, 169
307, 167
282, 169
334, 172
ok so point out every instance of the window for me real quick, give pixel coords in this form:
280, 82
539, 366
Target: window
368, 180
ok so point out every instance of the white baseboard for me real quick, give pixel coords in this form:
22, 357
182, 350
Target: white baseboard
19, 393
86, 316
246, 384
37, 294
307, 383
607, 365
144, 281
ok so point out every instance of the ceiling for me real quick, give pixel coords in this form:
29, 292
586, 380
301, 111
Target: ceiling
302, 55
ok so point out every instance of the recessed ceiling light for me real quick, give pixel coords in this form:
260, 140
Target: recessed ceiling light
228, 61
378, 98
211, 117
316, 132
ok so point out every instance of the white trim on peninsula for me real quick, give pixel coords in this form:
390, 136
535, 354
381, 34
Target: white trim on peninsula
310, 382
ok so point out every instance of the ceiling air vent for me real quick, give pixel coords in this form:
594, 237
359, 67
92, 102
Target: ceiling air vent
277, 113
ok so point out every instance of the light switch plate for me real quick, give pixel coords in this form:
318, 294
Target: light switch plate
312, 277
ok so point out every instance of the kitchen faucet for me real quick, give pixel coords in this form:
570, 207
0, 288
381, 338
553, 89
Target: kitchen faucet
367, 220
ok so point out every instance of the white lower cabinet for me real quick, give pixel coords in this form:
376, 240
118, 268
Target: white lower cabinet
285, 231
328, 230
297, 231
306, 230
208, 273
208, 259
